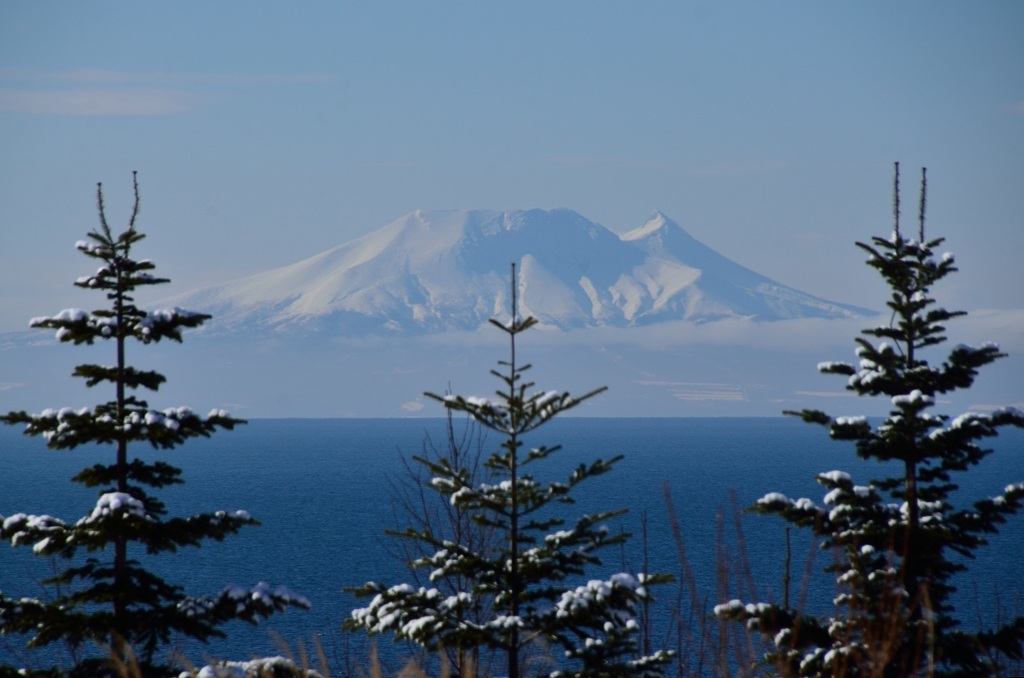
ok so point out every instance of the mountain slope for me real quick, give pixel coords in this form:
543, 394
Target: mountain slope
448, 270
723, 288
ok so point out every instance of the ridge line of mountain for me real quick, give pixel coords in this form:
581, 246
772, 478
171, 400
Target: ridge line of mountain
433, 271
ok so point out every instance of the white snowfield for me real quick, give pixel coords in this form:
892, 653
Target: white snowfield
433, 271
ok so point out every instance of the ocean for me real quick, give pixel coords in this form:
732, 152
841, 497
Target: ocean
323, 490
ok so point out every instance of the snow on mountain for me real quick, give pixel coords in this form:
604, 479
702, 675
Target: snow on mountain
717, 287
449, 270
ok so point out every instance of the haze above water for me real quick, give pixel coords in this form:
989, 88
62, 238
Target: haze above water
673, 327
264, 136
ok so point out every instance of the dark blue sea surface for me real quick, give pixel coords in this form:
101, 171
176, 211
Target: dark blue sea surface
320, 487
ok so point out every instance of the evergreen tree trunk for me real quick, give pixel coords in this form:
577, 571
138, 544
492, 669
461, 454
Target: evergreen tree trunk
513, 441
119, 624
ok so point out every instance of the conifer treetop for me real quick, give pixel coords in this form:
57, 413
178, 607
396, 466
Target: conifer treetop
514, 594
896, 535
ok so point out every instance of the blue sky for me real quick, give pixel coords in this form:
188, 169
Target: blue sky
265, 132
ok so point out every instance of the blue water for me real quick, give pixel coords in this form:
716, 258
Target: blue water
321, 489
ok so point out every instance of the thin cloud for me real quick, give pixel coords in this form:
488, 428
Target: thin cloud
99, 76
732, 169
788, 335
1005, 327
96, 91
1016, 108
733, 394
699, 391
386, 165
583, 160
828, 394
978, 407
100, 101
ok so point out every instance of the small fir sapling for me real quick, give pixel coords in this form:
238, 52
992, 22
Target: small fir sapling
898, 540
420, 508
523, 580
104, 594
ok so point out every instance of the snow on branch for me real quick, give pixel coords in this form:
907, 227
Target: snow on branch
247, 604
254, 668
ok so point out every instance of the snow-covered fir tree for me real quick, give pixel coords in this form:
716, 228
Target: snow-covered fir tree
898, 540
103, 596
530, 585
420, 508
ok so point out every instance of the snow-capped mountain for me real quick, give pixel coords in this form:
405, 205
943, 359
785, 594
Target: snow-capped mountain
449, 270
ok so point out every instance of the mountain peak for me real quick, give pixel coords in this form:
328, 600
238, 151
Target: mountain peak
656, 222
432, 271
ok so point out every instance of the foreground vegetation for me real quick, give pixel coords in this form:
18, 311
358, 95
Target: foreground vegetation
499, 566
898, 540
108, 598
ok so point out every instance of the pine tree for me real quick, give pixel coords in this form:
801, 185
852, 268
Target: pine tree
522, 581
898, 540
108, 597
420, 508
